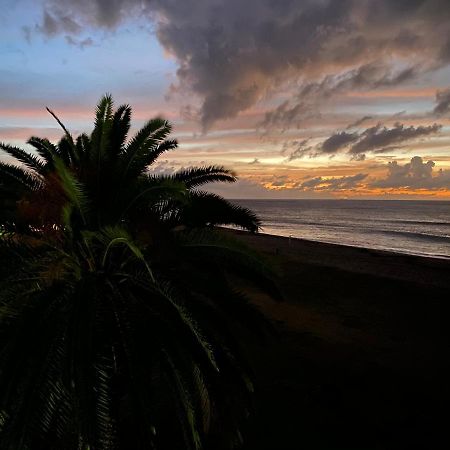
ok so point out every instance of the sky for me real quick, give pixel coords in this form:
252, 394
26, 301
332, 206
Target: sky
302, 98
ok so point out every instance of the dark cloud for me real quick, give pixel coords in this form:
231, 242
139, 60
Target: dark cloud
334, 183
26, 30
307, 102
378, 138
61, 15
338, 141
60, 23
398, 114
416, 174
298, 154
371, 75
298, 149
295, 144
50, 26
233, 53
80, 43
442, 102
285, 115
445, 51
358, 157
359, 122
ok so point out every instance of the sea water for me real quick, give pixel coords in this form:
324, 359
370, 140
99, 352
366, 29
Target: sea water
414, 227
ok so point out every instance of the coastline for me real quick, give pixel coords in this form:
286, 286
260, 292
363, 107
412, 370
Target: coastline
407, 226
400, 252
422, 269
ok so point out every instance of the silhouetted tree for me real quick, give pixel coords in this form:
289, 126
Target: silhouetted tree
118, 302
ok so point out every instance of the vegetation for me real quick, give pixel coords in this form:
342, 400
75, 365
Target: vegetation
119, 311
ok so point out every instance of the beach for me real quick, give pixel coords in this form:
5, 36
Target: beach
360, 356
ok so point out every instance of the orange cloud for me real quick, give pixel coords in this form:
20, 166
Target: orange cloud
428, 92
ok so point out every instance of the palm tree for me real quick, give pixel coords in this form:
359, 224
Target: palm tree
120, 315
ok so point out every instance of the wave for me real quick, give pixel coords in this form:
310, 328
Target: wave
299, 220
420, 228
346, 225
419, 235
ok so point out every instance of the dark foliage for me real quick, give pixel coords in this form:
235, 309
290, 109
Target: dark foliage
119, 312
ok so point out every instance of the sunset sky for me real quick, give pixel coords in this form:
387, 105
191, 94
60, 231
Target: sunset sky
303, 98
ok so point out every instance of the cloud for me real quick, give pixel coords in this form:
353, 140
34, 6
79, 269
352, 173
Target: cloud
164, 167
26, 31
52, 25
338, 141
379, 138
359, 122
443, 102
233, 54
298, 149
416, 174
333, 183
285, 115
369, 75
358, 157
376, 139
82, 44
242, 189
312, 95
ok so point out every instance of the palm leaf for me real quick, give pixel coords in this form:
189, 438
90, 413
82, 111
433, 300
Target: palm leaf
30, 161
148, 143
45, 149
113, 236
120, 128
100, 137
83, 148
73, 188
66, 132
9, 172
206, 208
215, 248
198, 176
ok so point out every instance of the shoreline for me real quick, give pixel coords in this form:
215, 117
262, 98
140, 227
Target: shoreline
383, 250
417, 269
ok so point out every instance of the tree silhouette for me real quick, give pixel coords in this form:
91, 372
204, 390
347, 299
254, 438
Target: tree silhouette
119, 311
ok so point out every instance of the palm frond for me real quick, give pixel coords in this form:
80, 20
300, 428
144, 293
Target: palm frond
9, 172
73, 188
100, 137
66, 132
30, 161
145, 147
188, 414
232, 256
206, 208
197, 176
120, 128
83, 148
45, 149
113, 236
152, 191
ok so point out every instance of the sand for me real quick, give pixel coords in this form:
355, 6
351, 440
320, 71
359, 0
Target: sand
361, 356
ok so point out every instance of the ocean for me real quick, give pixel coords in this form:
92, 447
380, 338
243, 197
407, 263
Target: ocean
413, 227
